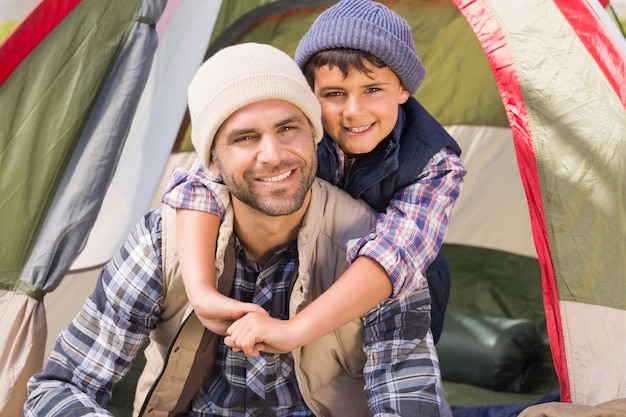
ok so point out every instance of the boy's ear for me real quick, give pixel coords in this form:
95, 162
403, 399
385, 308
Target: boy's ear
403, 96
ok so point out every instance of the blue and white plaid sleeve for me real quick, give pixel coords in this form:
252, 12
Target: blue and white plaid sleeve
196, 189
98, 347
408, 236
402, 376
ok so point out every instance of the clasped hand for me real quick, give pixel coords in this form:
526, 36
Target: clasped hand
256, 332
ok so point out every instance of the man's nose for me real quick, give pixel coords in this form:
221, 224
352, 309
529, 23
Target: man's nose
271, 149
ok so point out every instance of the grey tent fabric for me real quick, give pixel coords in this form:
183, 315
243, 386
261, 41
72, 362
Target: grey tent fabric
75, 206
84, 183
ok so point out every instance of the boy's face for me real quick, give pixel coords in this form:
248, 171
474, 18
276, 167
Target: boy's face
360, 110
266, 155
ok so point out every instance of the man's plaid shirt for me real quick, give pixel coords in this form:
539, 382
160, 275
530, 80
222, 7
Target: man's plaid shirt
98, 347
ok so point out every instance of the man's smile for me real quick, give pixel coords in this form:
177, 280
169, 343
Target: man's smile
276, 178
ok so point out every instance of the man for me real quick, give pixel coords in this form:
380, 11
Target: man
282, 244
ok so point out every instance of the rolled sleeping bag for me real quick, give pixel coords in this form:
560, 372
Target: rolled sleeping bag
497, 353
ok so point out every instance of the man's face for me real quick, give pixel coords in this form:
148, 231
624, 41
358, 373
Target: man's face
360, 110
266, 155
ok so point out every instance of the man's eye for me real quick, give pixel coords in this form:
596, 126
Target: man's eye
242, 139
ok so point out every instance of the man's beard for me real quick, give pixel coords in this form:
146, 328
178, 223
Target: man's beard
280, 204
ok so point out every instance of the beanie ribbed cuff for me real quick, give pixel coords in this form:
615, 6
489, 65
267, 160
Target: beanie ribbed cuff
244, 91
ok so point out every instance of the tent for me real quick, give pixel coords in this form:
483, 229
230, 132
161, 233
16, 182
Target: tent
94, 101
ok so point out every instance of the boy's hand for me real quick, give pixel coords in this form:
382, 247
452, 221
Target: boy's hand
217, 312
256, 332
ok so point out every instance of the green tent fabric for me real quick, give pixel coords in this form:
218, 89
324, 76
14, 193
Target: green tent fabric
541, 82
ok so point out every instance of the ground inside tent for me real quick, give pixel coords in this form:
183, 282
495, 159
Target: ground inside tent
486, 282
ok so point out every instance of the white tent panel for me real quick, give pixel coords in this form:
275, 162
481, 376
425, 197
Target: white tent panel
492, 211
583, 326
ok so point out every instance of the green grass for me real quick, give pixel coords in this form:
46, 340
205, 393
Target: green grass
121, 403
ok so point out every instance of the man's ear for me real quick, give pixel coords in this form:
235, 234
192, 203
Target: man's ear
214, 168
213, 165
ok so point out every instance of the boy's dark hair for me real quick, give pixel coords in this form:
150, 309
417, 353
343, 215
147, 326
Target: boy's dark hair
368, 26
346, 59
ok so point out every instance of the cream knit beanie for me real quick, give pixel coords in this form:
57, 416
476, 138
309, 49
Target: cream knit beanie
240, 75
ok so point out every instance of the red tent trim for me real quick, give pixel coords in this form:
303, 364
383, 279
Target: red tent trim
30, 32
598, 41
493, 42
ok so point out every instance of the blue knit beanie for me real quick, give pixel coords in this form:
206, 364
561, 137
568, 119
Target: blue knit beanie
368, 26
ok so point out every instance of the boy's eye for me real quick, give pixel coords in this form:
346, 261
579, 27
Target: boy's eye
372, 90
333, 94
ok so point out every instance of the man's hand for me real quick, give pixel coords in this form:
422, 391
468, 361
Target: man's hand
257, 332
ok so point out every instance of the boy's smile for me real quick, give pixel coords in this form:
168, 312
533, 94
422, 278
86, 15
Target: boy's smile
360, 110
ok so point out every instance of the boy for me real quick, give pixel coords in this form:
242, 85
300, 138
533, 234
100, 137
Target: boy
379, 145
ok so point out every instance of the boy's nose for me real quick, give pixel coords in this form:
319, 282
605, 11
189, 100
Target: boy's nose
353, 105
